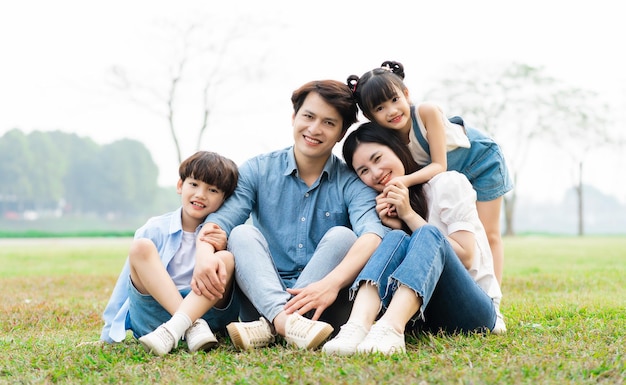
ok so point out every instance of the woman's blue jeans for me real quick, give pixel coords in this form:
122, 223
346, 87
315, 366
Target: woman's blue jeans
264, 289
426, 263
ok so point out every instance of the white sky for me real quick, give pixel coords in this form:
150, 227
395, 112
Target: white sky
56, 58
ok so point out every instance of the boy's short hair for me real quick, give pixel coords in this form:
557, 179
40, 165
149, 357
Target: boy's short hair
211, 168
335, 93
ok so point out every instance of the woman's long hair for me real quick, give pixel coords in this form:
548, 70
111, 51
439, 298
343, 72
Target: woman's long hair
371, 132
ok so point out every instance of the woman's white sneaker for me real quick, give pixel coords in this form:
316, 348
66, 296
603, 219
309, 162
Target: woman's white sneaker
345, 342
382, 338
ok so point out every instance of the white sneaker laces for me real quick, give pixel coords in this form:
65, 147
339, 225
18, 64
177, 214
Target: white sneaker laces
257, 331
301, 327
165, 336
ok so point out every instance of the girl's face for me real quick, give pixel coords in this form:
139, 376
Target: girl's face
376, 164
394, 113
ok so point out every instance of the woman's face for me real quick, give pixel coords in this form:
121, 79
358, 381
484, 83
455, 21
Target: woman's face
376, 164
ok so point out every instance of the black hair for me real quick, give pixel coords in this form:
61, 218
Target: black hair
378, 85
211, 168
372, 132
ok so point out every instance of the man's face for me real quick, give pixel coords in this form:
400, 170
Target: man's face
316, 127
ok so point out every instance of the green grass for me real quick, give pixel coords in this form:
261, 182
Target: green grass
565, 306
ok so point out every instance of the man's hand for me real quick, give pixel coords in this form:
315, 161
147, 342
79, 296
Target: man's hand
209, 277
214, 235
317, 295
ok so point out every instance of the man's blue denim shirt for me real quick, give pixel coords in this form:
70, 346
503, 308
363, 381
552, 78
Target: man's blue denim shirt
292, 216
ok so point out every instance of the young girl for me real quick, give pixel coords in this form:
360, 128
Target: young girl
438, 144
437, 273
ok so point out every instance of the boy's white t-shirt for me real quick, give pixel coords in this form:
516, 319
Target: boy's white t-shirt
181, 266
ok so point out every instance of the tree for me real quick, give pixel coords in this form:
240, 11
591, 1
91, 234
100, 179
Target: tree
48, 167
582, 116
15, 164
128, 179
512, 103
82, 177
209, 60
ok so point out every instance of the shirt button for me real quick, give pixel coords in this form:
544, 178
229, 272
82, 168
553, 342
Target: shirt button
306, 195
302, 219
300, 246
327, 214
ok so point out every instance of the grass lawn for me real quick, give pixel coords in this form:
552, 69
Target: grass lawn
564, 303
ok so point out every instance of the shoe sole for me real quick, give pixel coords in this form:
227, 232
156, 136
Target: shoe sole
205, 346
150, 350
339, 352
390, 352
235, 337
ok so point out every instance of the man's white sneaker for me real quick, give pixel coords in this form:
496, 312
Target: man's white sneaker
382, 338
250, 335
200, 337
345, 342
159, 342
305, 333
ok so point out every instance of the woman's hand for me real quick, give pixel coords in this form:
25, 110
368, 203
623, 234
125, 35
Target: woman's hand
396, 206
396, 196
387, 213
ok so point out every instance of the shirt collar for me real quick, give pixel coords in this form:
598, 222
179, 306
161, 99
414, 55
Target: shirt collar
176, 223
292, 168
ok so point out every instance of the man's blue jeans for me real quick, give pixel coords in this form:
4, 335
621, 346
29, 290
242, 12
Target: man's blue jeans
426, 263
264, 289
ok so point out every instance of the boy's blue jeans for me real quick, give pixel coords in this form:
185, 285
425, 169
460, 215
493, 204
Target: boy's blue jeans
145, 314
426, 263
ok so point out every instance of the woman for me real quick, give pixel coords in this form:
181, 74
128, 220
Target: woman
438, 143
434, 271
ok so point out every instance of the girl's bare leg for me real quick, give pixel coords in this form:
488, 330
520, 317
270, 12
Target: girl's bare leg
489, 214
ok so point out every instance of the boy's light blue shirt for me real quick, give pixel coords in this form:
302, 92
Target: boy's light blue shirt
292, 216
166, 231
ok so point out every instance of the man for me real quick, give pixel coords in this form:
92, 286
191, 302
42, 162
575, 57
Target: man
314, 228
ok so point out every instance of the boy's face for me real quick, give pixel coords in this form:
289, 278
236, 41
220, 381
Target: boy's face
316, 128
199, 199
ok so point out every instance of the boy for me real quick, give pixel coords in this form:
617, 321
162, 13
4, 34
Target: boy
158, 272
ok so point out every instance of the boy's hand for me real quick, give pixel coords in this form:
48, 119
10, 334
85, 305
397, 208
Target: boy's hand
317, 295
214, 235
209, 277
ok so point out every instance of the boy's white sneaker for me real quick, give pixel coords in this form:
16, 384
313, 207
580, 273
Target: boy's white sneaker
382, 338
200, 337
160, 341
250, 335
345, 342
305, 333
